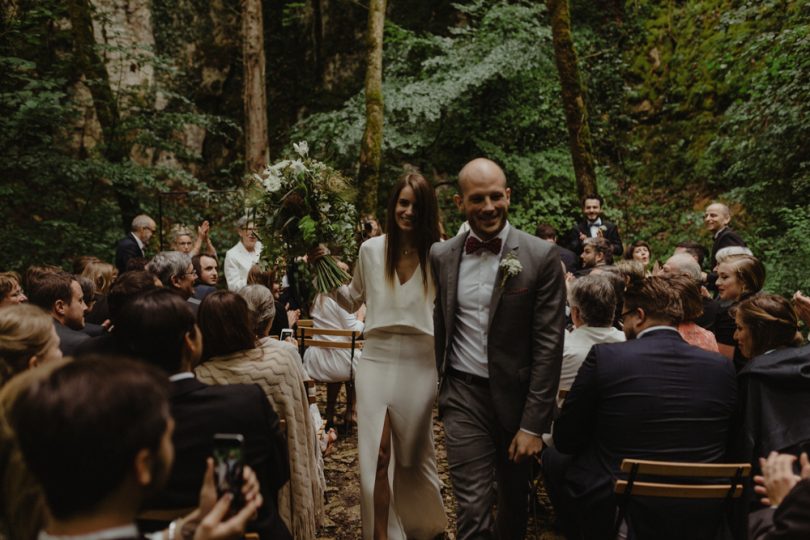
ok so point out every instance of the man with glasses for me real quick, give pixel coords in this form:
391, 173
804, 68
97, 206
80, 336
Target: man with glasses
175, 272
652, 397
132, 245
241, 257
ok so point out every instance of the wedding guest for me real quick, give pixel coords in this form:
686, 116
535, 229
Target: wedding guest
546, 232
233, 355
737, 279
102, 275
730, 252
158, 328
593, 226
27, 339
595, 252
639, 251
694, 249
89, 297
499, 324
772, 383
175, 272
716, 218
206, 268
182, 240
284, 318
630, 270
11, 292
692, 305
241, 257
685, 264
81, 262
61, 295
396, 377
132, 245
786, 496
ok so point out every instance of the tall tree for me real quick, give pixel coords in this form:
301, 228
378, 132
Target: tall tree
576, 111
255, 98
117, 147
368, 176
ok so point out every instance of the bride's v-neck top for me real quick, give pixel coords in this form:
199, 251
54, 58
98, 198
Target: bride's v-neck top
391, 307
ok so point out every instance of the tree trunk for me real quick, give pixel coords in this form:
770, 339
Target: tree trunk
116, 148
576, 112
317, 40
255, 99
368, 177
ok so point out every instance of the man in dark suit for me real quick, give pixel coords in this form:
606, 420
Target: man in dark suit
716, 218
158, 327
568, 257
653, 397
593, 226
498, 328
132, 245
60, 294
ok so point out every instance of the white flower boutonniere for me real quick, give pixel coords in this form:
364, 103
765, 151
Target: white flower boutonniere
510, 267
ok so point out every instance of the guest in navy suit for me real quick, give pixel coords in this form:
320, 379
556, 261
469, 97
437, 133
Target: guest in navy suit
132, 245
158, 327
653, 397
593, 226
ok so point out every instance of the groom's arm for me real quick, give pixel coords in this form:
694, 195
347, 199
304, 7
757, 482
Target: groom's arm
438, 310
548, 326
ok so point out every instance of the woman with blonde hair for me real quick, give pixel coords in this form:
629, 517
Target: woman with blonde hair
27, 340
102, 275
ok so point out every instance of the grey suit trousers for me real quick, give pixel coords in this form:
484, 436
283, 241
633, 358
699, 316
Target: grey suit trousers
477, 448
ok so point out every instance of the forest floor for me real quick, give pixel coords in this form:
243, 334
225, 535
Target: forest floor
342, 521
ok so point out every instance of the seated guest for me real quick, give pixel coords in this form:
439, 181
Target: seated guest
282, 318
96, 435
595, 252
231, 355
126, 287
206, 268
630, 270
27, 339
730, 252
61, 295
81, 262
89, 297
619, 280
737, 278
653, 397
697, 251
242, 256
158, 327
685, 264
639, 251
333, 366
568, 257
593, 302
11, 292
787, 498
102, 275
692, 304
175, 272
773, 384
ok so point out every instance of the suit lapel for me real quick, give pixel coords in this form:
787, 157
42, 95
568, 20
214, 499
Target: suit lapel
497, 291
451, 298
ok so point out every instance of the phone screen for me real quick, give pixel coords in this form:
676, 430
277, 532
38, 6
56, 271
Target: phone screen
228, 464
285, 333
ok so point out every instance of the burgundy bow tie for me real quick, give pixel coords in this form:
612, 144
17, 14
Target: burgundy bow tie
473, 245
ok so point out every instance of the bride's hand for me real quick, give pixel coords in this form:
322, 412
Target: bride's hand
316, 253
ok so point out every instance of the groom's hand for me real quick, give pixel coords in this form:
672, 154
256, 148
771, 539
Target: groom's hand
524, 445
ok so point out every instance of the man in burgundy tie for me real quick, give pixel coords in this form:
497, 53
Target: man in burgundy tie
498, 327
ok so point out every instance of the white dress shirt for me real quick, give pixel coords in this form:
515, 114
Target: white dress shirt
140, 244
594, 227
238, 262
476, 281
577, 346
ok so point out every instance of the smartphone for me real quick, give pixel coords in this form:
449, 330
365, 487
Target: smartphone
285, 333
228, 464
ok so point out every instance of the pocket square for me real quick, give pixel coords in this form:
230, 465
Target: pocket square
516, 291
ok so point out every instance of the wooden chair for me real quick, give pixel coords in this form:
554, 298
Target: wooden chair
305, 323
306, 338
728, 483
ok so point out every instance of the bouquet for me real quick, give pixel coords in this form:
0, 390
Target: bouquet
303, 203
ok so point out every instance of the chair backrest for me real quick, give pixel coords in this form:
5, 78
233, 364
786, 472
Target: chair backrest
732, 487
306, 338
305, 323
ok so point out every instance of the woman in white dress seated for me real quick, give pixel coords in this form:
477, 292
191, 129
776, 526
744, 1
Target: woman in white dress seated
333, 366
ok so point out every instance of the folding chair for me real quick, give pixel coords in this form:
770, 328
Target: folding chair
729, 482
306, 338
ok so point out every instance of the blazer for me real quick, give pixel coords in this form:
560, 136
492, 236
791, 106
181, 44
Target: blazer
69, 339
790, 521
655, 397
126, 249
611, 234
526, 325
200, 411
726, 238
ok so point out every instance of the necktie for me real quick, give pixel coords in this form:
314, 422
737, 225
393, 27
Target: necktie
473, 245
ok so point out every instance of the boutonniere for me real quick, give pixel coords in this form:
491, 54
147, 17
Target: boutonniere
510, 267
602, 228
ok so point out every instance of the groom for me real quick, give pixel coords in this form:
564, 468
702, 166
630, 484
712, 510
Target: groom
498, 322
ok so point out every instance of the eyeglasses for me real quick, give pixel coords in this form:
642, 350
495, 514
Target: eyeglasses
625, 314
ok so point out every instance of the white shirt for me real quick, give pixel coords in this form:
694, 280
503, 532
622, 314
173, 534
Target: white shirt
654, 328
138, 240
181, 376
476, 281
577, 346
238, 262
595, 227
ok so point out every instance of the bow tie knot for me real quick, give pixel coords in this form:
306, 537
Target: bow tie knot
474, 245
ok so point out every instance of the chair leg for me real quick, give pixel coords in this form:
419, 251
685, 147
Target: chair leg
332, 391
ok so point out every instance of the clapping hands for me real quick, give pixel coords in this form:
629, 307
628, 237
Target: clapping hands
778, 478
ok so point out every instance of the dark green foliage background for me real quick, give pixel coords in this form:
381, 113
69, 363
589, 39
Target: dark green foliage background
689, 102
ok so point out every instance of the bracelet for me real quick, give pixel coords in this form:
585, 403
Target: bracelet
172, 530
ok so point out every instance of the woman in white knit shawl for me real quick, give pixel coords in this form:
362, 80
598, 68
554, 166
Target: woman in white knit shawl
232, 354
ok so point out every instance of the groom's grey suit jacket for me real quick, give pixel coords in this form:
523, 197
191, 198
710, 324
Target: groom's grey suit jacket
526, 325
